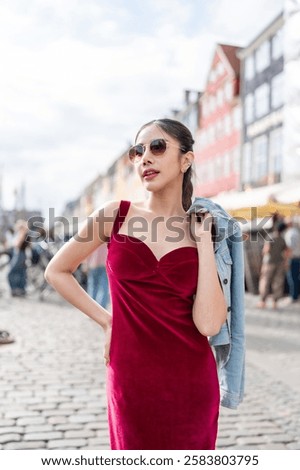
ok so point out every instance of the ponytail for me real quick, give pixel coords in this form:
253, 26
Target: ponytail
187, 189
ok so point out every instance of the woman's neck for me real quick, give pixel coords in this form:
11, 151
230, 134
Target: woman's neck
165, 204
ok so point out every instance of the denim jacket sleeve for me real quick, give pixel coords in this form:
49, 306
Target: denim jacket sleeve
229, 343
232, 370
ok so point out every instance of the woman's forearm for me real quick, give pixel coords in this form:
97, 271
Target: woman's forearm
209, 309
68, 287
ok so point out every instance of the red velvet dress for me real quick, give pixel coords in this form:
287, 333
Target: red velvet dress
162, 384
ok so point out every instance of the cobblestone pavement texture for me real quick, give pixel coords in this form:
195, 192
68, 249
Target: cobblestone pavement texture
52, 388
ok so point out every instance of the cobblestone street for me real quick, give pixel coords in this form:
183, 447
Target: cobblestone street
52, 389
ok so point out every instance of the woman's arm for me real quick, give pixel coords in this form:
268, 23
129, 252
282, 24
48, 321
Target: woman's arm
21, 237
266, 248
59, 272
209, 309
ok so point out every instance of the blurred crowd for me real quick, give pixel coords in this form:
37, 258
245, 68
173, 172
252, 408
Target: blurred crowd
280, 263
25, 253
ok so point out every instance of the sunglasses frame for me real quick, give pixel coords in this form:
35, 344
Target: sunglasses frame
135, 158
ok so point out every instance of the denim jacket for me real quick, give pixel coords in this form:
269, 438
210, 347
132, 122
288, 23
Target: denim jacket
229, 343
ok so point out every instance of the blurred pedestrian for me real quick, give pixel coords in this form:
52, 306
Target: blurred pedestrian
274, 266
17, 271
292, 239
7, 247
97, 280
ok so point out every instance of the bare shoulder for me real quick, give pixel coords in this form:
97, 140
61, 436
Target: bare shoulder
105, 215
108, 208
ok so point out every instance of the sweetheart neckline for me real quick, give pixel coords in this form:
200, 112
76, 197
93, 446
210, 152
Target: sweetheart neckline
149, 249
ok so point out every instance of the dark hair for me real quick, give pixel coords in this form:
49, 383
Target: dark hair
181, 133
281, 227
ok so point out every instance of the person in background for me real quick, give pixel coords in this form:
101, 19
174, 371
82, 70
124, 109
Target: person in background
97, 280
273, 270
17, 272
292, 239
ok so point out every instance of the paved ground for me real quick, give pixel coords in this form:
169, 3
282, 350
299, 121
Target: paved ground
52, 388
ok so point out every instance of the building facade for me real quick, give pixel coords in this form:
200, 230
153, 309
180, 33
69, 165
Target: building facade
262, 96
217, 146
291, 134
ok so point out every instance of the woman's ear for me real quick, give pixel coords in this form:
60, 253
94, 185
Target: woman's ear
187, 161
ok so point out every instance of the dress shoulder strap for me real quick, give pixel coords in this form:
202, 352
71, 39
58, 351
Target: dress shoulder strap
121, 214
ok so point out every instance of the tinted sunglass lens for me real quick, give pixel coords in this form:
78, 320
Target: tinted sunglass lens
158, 146
136, 152
139, 150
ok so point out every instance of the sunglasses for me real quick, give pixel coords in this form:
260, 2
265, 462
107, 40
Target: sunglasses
157, 147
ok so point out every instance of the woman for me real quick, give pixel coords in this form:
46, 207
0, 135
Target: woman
17, 275
162, 383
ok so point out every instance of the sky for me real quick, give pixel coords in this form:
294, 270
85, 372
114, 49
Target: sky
79, 77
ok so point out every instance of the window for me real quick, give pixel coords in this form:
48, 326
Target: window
220, 69
236, 161
246, 164
212, 103
220, 97
276, 148
202, 139
219, 128
260, 157
262, 56
228, 91
227, 169
210, 135
219, 168
227, 124
210, 171
249, 108
237, 118
249, 67
277, 44
262, 100
204, 107
201, 172
213, 132
277, 91
212, 75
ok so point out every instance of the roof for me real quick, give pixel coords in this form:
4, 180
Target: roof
231, 55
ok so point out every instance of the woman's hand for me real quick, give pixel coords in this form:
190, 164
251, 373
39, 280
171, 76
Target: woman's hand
201, 225
107, 332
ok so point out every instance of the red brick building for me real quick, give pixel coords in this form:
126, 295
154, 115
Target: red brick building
218, 138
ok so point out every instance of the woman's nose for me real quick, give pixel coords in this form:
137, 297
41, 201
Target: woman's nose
147, 156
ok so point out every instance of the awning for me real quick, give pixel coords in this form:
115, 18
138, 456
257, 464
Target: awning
269, 209
281, 198
249, 198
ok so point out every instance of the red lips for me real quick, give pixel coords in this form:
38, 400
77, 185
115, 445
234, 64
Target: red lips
149, 172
